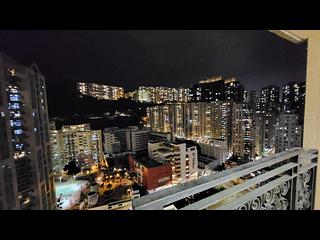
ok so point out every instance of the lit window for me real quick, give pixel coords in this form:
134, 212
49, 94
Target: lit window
18, 131
14, 97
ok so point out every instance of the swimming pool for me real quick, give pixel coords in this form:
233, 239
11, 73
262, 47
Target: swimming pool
70, 192
67, 189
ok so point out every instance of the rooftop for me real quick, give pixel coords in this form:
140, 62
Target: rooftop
147, 162
206, 159
164, 150
155, 140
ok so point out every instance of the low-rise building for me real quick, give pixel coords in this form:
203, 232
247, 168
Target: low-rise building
217, 149
150, 173
182, 157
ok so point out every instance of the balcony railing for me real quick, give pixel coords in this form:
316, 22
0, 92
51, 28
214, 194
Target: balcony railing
283, 181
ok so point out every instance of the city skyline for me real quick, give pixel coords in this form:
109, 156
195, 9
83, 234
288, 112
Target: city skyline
155, 58
113, 148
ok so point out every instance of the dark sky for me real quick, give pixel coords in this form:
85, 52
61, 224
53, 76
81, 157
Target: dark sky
160, 57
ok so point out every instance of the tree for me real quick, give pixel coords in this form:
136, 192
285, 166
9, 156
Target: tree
92, 178
220, 168
71, 168
109, 186
83, 196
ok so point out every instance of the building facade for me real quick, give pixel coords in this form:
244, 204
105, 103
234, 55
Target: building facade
159, 136
293, 99
81, 144
270, 98
26, 176
161, 94
182, 157
242, 140
254, 101
139, 139
265, 114
217, 149
234, 91
150, 174
207, 90
100, 91
121, 140
216, 89
195, 121
288, 132
58, 162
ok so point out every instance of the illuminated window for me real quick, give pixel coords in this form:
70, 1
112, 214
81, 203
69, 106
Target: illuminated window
18, 131
14, 97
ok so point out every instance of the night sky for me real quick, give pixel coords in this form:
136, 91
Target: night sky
171, 58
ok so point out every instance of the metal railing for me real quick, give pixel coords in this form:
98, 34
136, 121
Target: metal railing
283, 181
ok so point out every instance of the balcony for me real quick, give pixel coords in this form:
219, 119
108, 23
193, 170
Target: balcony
283, 181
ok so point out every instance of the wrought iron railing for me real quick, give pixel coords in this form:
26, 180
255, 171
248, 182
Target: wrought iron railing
283, 181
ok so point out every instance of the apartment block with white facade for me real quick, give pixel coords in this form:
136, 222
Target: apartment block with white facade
183, 158
122, 140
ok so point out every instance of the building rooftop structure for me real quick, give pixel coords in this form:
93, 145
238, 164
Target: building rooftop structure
147, 162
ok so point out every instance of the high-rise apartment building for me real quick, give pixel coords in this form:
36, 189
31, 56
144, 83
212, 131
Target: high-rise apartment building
265, 112
269, 127
160, 117
213, 117
81, 144
242, 135
139, 139
246, 96
116, 140
257, 129
207, 90
216, 89
100, 91
121, 140
58, 162
26, 176
162, 94
145, 94
288, 132
264, 125
254, 101
218, 120
293, 98
111, 143
195, 121
270, 98
183, 95
234, 91
293, 95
